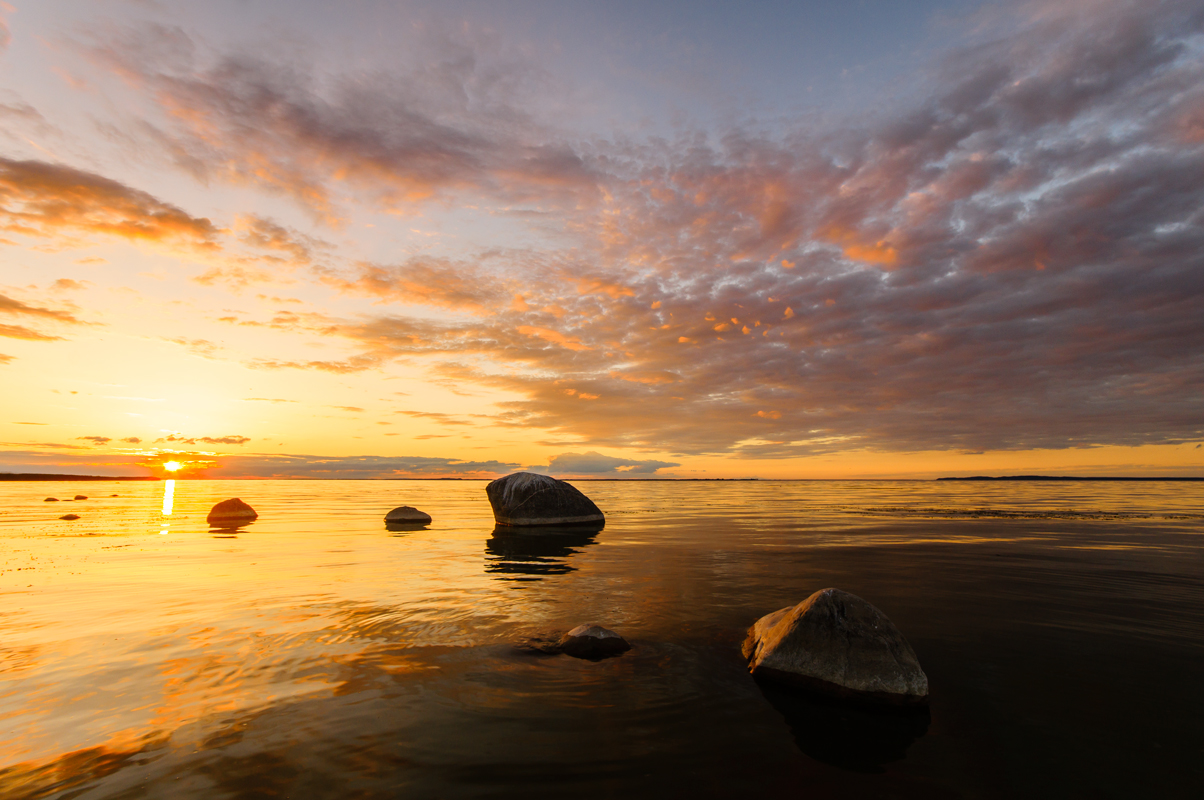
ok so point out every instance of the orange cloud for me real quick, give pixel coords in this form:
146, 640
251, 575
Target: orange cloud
51, 201
556, 337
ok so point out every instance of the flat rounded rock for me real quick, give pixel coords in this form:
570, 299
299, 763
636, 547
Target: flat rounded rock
525, 499
407, 514
69, 516
51, 500
838, 644
592, 642
231, 512
81, 497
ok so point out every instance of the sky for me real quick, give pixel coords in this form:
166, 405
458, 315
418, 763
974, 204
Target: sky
275, 238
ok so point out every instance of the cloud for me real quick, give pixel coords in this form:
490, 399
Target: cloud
203, 439
21, 332
593, 463
200, 347
1007, 258
64, 284
97, 440
132, 440
9, 305
55, 201
428, 281
454, 124
355, 467
4, 359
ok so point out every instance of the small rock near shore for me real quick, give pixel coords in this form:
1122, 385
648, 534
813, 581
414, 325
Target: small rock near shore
526, 499
592, 642
51, 500
69, 516
407, 514
231, 512
81, 497
837, 644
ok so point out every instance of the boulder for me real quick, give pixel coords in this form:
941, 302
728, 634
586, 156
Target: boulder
51, 500
526, 499
81, 497
838, 644
407, 514
69, 516
231, 512
592, 642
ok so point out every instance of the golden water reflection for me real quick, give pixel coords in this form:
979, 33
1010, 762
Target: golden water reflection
169, 494
132, 659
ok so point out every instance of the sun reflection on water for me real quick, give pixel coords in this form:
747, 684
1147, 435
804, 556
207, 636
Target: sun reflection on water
169, 494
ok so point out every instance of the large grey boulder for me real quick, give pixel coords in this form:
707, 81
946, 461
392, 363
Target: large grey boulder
593, 642
524, 498
231, 513
836, 643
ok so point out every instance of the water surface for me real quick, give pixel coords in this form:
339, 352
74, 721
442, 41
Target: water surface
316, 654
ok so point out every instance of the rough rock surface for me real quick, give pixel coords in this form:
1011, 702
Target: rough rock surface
524, 498
838, 644
407, 514
593, 642
69, 516
231, 512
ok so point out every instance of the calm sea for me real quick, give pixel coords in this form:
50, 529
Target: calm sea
314, 654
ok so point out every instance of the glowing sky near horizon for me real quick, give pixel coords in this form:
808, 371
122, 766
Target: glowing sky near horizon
813, 240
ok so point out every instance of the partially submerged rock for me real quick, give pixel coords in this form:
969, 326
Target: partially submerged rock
527, 499
407, 514
51, 500
838, 644
69, 516
81, 497
592, 642
231, 513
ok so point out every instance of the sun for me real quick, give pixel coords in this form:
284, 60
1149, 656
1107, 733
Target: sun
172, 466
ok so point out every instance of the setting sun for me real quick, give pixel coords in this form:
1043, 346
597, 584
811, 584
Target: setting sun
172, 466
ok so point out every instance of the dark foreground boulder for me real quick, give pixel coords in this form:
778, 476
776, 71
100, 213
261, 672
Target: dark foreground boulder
231, 513
525, 499
592, 642
837, 644
407, 514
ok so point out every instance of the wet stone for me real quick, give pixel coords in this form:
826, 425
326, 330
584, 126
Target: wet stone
593, 642
837, 644
407, 514
231, 512
525, 499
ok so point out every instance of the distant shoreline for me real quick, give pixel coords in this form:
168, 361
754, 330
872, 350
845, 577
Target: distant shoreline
1060, 478
52, 476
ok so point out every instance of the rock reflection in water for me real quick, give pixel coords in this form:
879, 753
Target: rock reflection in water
227, 531
531, 554
852, 737
406, 527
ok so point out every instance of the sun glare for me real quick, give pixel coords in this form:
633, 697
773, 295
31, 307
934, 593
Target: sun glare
172, 466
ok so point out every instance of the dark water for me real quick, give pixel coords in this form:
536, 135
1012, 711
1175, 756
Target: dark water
315, 654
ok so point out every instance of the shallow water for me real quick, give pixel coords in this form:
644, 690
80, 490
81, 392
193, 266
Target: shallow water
315, 654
